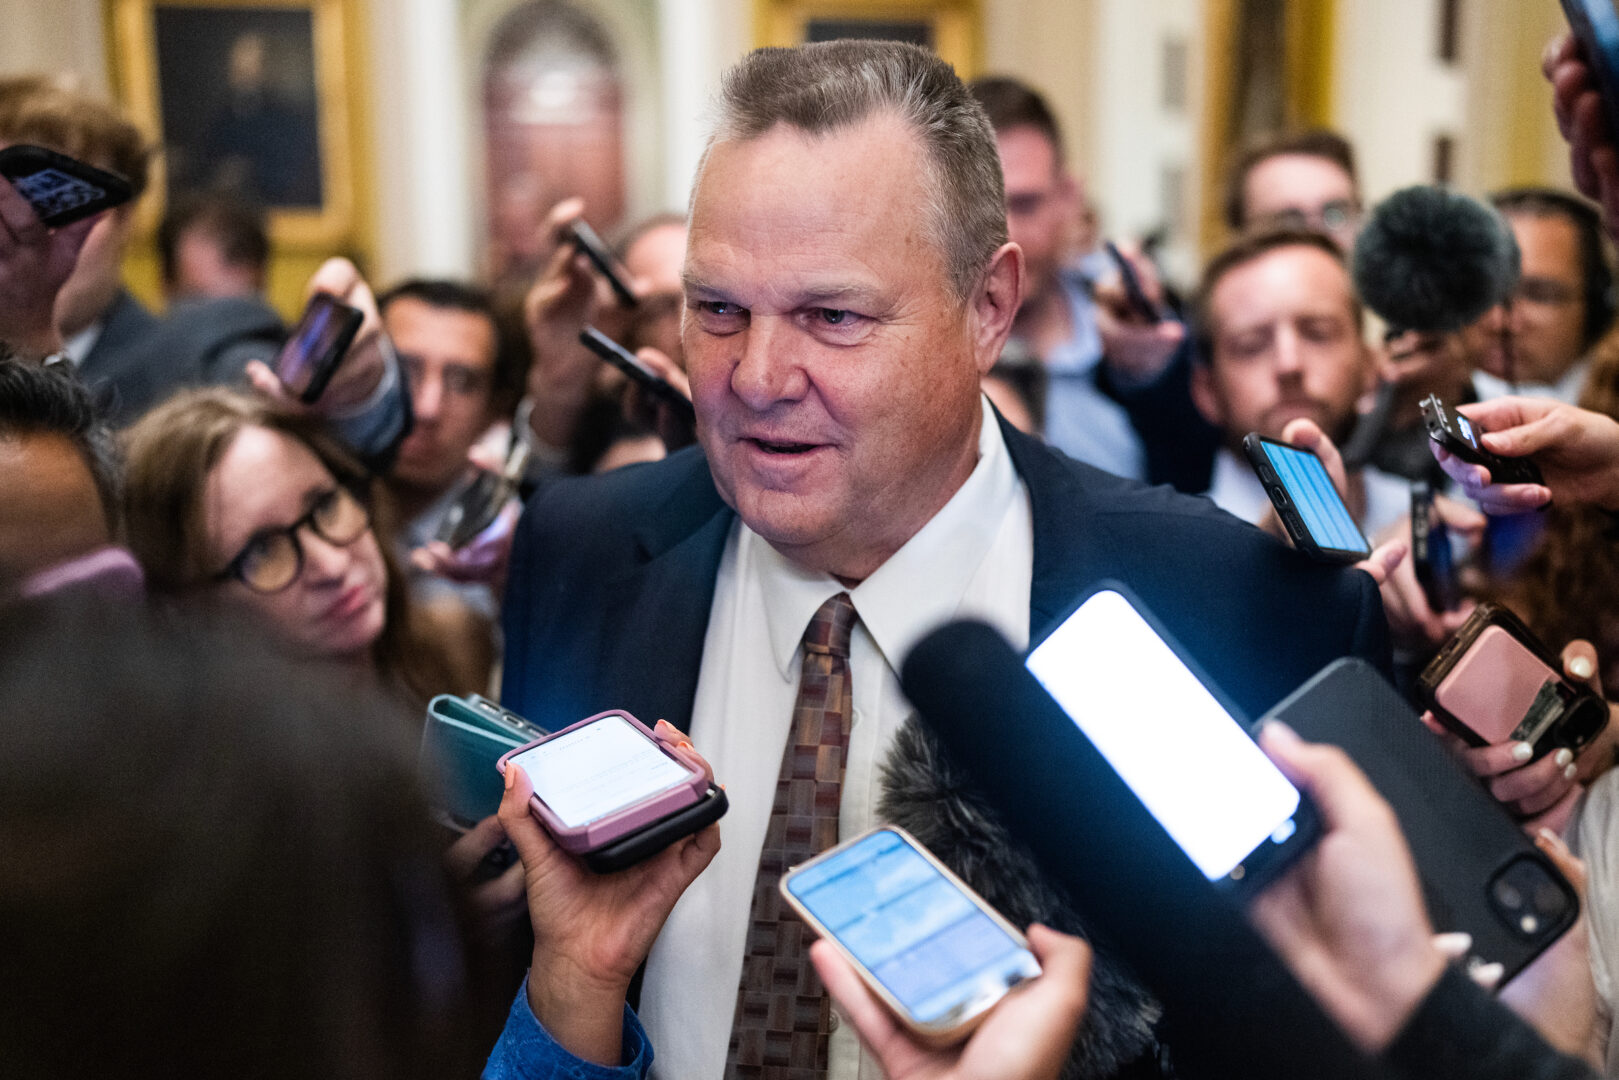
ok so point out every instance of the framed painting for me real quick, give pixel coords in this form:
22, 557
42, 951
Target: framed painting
249, 97
951, 28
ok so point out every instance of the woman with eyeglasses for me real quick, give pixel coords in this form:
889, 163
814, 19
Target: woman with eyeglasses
232, 500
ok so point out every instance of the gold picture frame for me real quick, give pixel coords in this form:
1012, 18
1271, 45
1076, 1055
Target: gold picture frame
955, 26
328, 223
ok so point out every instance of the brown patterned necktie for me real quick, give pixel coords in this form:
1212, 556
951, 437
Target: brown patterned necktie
783, 1016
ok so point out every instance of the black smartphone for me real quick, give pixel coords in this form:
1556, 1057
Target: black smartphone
1596, 27
1456, 433
631, 365
318, 344
1312, 511
1182, 749
1133, 292
586, 240
660, 834
61, 189
1480, 872
1431, 555
483, 497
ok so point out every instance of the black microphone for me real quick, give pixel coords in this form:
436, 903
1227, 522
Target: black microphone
1434, 261
1230, 1006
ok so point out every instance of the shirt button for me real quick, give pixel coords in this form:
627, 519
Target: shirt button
832, 1021
854, 716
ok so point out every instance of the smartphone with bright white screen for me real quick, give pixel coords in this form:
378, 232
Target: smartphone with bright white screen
605, 778
932, 949
1307, 501
1183, 753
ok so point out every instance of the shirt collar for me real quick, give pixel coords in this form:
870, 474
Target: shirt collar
919, 587
1235, 488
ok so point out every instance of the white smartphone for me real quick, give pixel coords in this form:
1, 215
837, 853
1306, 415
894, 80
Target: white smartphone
927, 945
1188, 760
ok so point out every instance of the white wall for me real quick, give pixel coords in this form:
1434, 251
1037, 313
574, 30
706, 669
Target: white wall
54, 36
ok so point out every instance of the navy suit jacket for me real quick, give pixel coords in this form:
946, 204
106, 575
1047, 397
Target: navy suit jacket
612, 578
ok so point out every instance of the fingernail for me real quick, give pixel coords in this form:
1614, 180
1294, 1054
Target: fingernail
1454, 944
1546, 838
1563, 757
1278, 730
511, 776
1522, 751
1571, 772
1488, 975
1580, 667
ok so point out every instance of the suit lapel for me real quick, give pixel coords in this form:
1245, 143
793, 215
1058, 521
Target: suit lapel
1067, 542
657, 612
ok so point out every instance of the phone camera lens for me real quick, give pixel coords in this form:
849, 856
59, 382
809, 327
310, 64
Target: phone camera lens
1508, 895
1549, 899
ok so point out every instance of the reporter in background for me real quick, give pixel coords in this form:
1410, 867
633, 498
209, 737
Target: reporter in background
1295, 180
212, 245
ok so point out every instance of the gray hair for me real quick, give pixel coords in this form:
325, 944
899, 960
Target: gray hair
828, 86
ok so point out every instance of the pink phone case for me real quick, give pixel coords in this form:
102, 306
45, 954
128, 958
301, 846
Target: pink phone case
606, 830
1492, 687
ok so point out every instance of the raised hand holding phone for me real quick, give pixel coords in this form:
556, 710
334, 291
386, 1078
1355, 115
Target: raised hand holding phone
35, 262
1576, 450
363, 366
1137, 341
592, 931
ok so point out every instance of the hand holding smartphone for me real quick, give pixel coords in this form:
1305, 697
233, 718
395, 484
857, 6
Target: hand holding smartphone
309, 359
1495, 682
637, 372
1306, 500
61, 189
1456, 434
610, 791
1431, 555
1134, 294
482, 499
1596, 26
929, 947
590, 245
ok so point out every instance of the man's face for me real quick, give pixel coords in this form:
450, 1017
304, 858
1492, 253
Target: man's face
834, 373
50, 508
1547, 320
1041, 200
202, 271
90, 290
1303, 190
449, 359
1285, 346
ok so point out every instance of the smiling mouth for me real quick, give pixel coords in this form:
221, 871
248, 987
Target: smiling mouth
771, 447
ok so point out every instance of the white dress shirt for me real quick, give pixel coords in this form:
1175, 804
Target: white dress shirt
974, 558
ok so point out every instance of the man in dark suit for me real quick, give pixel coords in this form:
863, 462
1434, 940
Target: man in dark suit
848, 281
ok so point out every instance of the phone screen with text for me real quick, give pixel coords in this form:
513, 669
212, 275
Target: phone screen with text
599, 769
912, 928
1310, 489
1186, 758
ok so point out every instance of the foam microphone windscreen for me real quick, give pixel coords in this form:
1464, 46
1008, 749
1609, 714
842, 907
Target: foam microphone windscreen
1230, 1006
1433, 260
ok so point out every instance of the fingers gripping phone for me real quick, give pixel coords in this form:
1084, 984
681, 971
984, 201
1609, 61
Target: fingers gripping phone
309, 359
637, 372
1307, 501
609, 790
1596, 26
1495, 682
61, 189
586, 240
930, 948
1180, 748
1455, 433
1133, 292
482, 499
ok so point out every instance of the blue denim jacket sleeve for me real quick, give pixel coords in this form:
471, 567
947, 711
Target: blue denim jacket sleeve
526, 1051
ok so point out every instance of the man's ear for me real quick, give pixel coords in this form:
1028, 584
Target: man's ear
995, 304
1204, 395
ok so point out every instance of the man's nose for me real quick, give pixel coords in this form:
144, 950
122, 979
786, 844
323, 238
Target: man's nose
1288, 353
767, 371
427, 398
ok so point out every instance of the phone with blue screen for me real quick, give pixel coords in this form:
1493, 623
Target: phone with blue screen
1180, 748
931, 949
1312, 511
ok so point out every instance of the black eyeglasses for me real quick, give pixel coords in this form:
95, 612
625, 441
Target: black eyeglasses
274, 557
